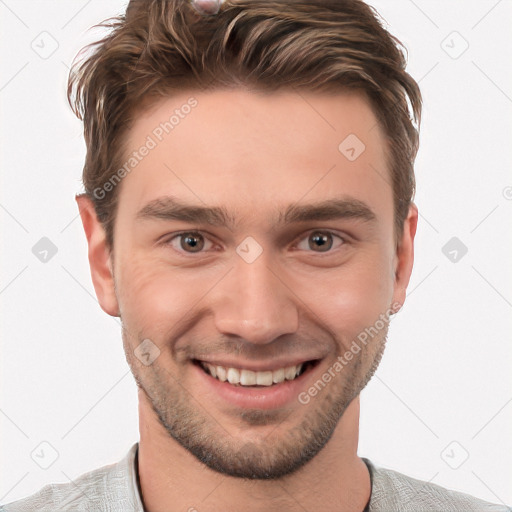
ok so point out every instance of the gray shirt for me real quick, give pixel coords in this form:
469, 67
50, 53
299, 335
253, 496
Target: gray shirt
115, 488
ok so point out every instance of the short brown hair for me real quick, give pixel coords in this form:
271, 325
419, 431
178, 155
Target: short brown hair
162, 46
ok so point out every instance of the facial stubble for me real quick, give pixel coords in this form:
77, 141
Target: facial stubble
280, 452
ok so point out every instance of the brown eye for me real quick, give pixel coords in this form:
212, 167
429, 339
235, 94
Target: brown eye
191, 242
320, 241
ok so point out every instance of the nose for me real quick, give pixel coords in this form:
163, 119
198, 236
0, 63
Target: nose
254, 302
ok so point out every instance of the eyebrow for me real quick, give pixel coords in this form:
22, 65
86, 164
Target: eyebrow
170, 208
330, 209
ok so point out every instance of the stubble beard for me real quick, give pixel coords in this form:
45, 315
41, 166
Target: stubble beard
279, 453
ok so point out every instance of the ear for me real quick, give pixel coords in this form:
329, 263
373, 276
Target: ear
404, 257
100, 257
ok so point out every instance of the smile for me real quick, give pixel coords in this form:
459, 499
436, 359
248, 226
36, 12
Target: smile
243, 377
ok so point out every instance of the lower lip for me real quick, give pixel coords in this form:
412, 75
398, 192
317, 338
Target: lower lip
265, 397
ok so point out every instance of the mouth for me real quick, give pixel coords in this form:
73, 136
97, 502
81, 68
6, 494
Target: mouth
241, 377
264, 386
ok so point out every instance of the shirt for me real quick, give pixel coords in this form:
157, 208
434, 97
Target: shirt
115, 488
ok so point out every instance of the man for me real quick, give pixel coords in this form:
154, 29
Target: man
249, 217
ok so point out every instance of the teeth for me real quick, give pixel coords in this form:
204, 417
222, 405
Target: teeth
250, 378
264, 378
233, 376
212, 369
221, 373
290, 372
247, 378
278, 376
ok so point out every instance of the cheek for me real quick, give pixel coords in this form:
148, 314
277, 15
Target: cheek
351, 298
152, 298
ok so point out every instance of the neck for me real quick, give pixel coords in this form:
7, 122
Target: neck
335, 480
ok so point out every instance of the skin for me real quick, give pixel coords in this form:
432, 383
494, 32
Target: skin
253, 154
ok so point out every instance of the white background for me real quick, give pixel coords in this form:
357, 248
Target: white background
445, 375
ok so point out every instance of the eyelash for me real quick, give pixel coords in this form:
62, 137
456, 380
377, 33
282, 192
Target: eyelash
177, 236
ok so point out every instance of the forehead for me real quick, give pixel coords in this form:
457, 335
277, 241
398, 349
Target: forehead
254, 150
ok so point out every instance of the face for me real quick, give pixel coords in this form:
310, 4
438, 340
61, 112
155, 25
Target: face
249, 244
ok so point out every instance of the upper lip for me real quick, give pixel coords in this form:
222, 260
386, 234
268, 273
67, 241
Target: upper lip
256, 366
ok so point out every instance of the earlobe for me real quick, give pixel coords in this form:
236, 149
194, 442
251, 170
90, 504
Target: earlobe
405, 256
100, 257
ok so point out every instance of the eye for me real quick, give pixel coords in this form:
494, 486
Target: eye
320, 241
189, 241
